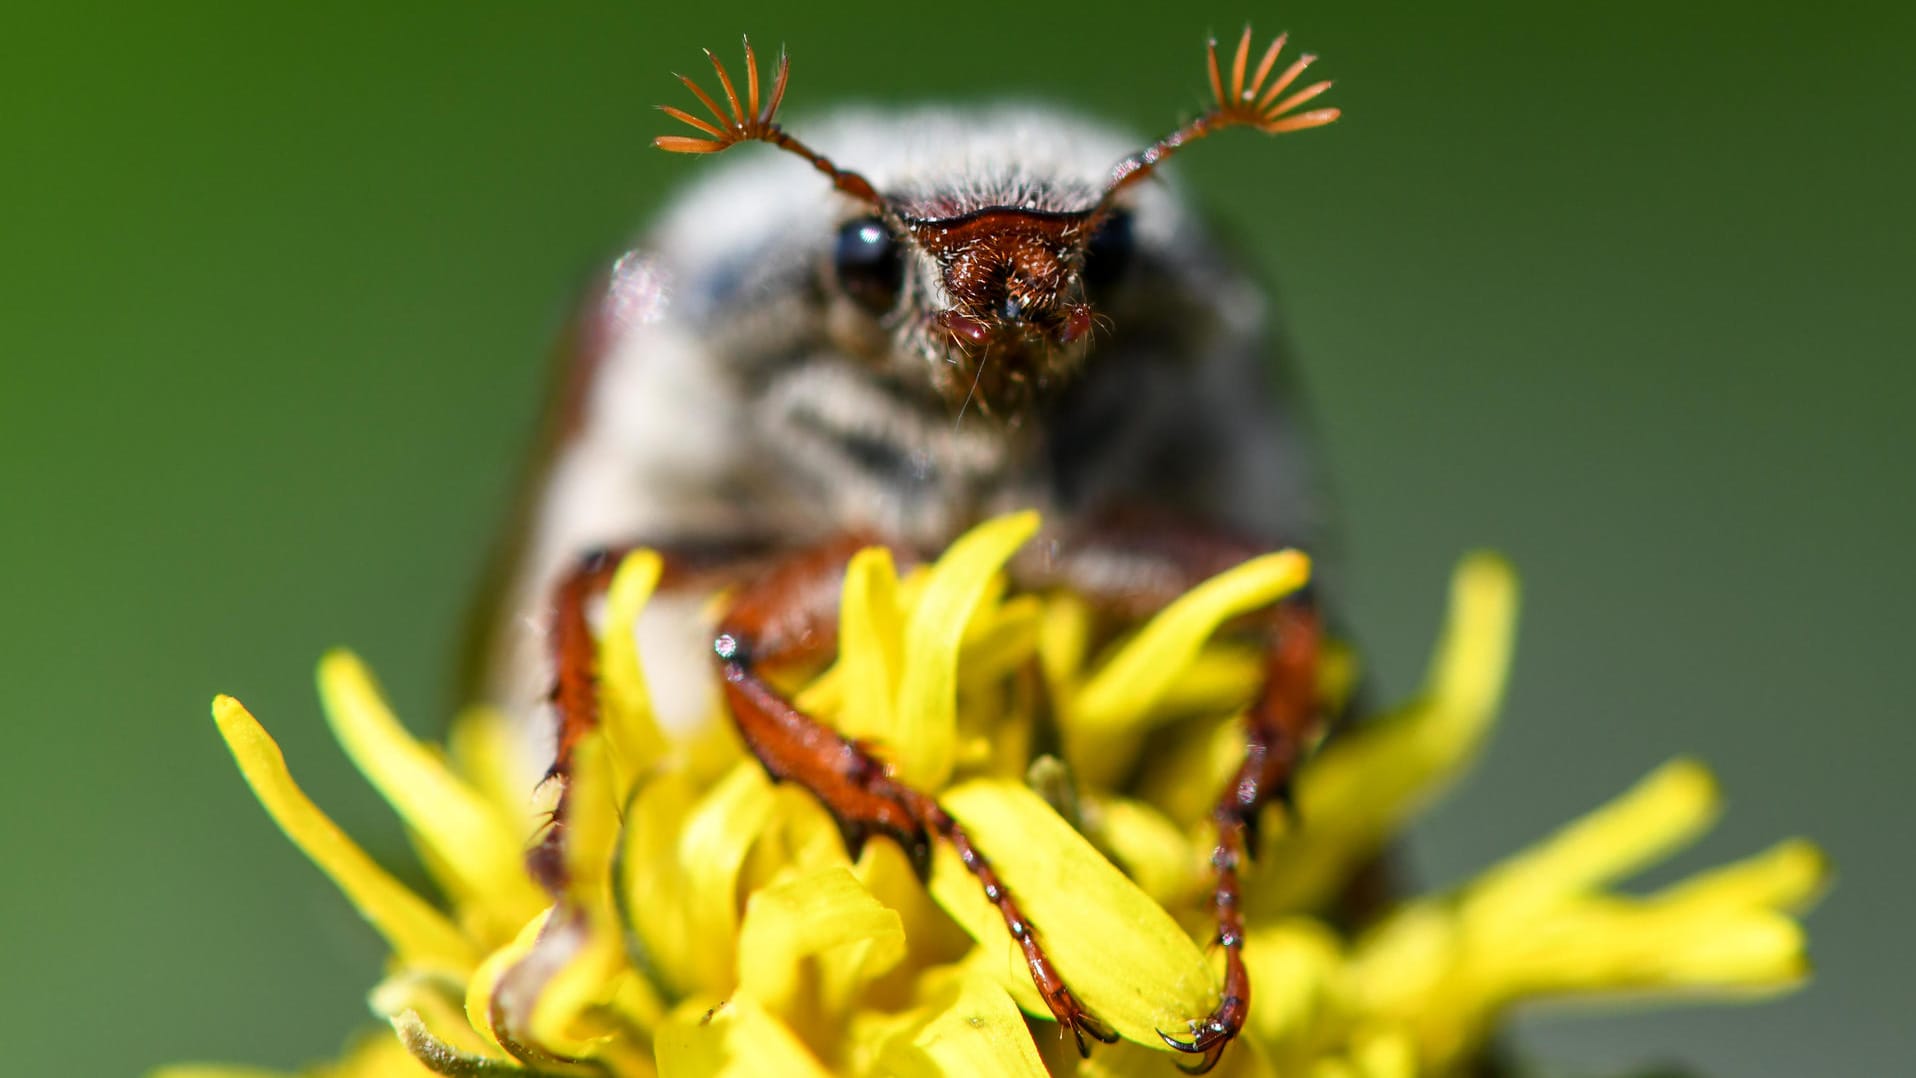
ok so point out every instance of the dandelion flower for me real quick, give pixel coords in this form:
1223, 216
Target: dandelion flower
712, 922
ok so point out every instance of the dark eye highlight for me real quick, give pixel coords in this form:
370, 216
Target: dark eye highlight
870, 264
1108, 254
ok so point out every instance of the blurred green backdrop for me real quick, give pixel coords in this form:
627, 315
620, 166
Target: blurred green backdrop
1622, 289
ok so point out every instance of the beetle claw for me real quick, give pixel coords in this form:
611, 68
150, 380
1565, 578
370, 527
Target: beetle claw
1210, 1039
1084, 1024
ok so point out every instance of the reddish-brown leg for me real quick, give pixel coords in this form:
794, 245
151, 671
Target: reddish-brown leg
1280, 724
791, 615
1165, 559
575, 653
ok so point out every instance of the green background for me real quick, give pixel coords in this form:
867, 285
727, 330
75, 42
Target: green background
1624, 291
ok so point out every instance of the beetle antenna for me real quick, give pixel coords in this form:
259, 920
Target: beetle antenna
1247, 104
747, 121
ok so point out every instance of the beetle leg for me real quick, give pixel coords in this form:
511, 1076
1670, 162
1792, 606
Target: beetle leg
1064, 1006
575, 652
1280, 721
1164, 560
790, 614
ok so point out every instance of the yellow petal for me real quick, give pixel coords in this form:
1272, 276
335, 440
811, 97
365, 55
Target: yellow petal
566, 1020
1399, 967
652, 901
591, 825
969, 1027
1471, 667
1616, 947
933, 937
799, 837
923, 742
735, 1039
486, 749
870, 640
1152, 850
436, 1011
464, 834
418, 934
1387, 1053
823, 698
1294, 967
711, 849
1664, 811
827, 916
1787, 876
1757, 952
1363, 786
431, 1055
570, 1017
1064, 635
999, 644
1221, 678
625, 706
1184, 775
680, 857
1117, 950
1124, 690
482, 988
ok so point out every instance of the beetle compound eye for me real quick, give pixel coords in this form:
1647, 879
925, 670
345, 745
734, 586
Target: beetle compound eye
1108, 254
870, 264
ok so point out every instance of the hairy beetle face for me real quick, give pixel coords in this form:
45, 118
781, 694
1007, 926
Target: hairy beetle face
1002, 301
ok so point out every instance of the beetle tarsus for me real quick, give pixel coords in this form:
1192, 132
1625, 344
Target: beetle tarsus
1209, 1039
1085, 1024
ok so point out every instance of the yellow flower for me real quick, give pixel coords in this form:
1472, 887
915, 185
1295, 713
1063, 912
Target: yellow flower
712, 922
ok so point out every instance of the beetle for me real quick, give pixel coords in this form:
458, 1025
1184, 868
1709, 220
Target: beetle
994, 310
